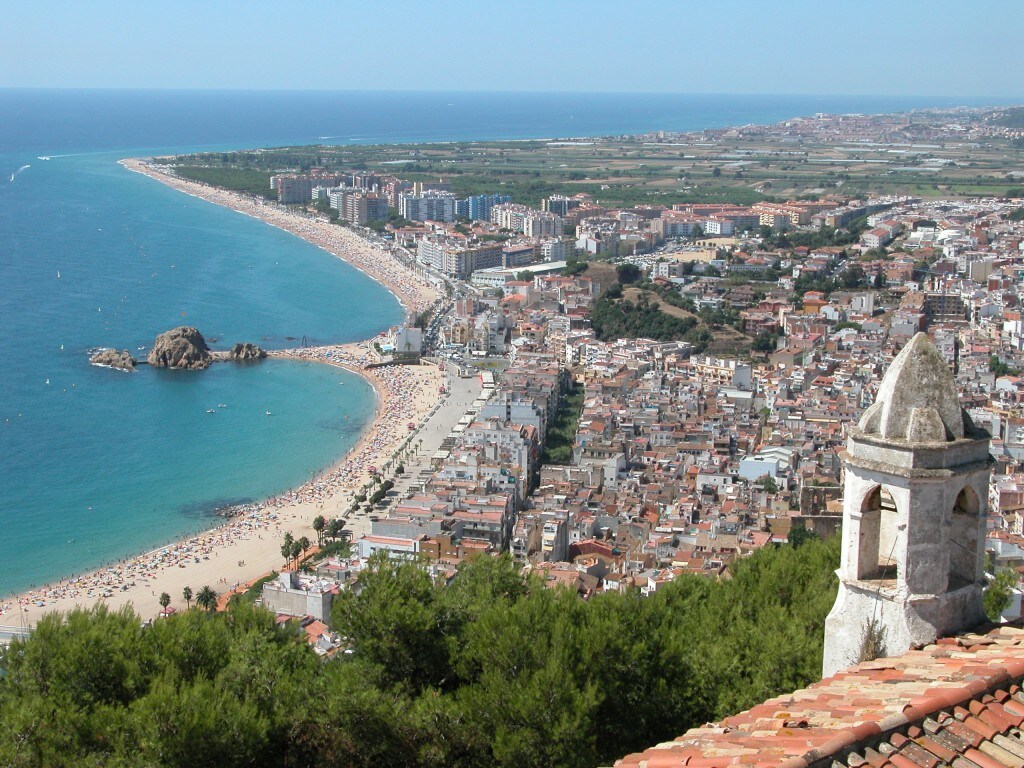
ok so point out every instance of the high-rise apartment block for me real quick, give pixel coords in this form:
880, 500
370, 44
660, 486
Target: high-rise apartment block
365, 207
478, 207
368, 181
420, 188
556, 250
529, 221
430, 206
456, 259
542, 225
338, 197
559, 204
294, 188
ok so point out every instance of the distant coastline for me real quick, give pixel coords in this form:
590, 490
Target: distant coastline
249, 538
224, 120
223, 124
414, 294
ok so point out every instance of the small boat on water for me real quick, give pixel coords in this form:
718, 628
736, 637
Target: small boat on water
222, 405
269, 413
210, 410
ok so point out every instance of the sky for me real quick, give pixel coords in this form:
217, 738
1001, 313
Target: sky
896, 47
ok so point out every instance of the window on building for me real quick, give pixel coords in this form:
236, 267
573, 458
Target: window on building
878, 534
963, 540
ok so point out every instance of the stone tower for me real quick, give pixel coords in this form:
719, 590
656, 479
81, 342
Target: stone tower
915, 494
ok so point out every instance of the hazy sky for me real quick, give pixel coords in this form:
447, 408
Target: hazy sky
899, 47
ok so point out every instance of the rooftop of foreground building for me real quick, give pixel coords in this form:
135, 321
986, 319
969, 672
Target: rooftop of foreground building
956, 702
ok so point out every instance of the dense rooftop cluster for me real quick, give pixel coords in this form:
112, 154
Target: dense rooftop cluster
683, 461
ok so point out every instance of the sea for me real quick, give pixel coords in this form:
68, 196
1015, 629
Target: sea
96, 464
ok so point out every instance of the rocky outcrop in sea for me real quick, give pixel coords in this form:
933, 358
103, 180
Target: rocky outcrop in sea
246, 351
111, 358
185, 347
182, 347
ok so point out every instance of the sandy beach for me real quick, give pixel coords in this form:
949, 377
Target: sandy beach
414, 292
247, 546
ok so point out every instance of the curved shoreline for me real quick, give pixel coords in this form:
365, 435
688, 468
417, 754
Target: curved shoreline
250, 538
413, 292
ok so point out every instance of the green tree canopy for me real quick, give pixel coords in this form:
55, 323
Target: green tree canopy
628, 273
493, 668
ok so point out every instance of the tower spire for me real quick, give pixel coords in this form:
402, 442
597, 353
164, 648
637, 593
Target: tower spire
915, 493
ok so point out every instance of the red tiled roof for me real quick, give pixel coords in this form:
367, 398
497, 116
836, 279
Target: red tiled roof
957, 702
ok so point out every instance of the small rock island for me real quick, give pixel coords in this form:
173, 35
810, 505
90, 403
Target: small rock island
182, 347
112, 358
245, 352
185, 347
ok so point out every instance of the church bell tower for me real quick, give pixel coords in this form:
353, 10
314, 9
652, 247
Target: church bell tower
915, 496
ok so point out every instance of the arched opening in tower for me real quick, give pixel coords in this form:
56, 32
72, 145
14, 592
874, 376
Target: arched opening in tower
963, 540
878, 536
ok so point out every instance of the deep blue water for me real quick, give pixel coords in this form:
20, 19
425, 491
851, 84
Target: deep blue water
97, 464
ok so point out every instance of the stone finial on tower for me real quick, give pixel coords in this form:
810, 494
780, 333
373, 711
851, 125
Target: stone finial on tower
917, 399
915, 493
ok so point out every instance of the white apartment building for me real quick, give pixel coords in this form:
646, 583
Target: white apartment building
430, 206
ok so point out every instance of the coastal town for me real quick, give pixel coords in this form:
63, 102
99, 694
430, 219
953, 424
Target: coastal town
683, 461
770, 326
577, 385
571, 386
651, 391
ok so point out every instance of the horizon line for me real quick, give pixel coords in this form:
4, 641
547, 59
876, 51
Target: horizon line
234, 89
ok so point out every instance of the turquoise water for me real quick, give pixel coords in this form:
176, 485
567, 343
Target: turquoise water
138, 461
97, 464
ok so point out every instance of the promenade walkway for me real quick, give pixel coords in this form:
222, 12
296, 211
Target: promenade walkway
461, 394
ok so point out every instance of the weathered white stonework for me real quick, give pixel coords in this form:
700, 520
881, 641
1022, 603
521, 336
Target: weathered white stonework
916, 488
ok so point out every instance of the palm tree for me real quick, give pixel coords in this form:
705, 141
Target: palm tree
304, 544
165, 600
319, 523
186, 593
335, 526
286, 547
207, 599
296, 550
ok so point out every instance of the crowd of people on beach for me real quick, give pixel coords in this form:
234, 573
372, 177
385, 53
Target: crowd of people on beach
143, 570
414, 291
406, 394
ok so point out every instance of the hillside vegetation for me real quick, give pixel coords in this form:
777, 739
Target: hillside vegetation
495, 669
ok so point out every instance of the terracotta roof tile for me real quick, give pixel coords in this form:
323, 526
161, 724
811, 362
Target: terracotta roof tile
1014, 708
986, 730
983, 760
997, 721
966, 736
875, 759
1003, 756
953, 741
963, 762
957, 702
899, 761
1013, 745
935, 748
920, 756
